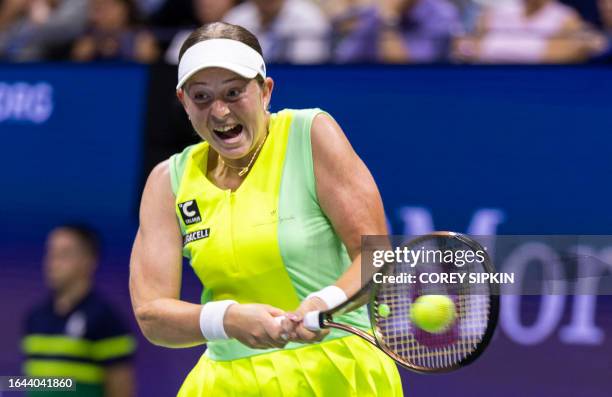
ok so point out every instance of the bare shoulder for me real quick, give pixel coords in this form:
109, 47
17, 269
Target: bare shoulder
327, 137
161, 171
159, 178
158, 193
323, 124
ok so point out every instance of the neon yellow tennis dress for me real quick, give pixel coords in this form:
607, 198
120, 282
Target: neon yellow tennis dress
269, 242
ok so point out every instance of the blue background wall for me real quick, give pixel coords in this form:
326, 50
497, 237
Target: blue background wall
497, 149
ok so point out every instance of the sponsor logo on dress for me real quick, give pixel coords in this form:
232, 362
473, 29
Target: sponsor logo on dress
195, 236
190, 212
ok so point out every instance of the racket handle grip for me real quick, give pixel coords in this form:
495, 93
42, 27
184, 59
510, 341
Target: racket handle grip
311, 321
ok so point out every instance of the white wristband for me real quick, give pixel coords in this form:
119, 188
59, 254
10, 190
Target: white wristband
332, 296
211, 319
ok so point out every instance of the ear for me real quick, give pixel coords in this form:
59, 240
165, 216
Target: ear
180, 94
268, 87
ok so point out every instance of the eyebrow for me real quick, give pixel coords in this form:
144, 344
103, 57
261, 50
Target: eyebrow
234, 79
223, 82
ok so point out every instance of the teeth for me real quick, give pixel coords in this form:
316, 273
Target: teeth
226, 128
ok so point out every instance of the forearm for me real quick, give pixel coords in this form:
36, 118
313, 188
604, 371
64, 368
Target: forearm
350, 281
358, 275
170, 322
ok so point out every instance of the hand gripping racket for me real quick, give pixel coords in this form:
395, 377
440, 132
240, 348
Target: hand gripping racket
476, 304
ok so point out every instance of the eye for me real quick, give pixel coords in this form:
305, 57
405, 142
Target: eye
234, 93
199, 96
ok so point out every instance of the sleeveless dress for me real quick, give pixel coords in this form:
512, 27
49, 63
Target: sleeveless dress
269, 242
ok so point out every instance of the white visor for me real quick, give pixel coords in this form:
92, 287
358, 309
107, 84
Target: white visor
221, 53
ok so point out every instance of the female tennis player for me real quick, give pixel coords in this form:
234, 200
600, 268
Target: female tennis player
270, 210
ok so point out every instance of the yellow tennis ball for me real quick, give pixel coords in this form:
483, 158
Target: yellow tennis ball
433, 313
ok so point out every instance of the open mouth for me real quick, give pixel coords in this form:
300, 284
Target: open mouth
228, 132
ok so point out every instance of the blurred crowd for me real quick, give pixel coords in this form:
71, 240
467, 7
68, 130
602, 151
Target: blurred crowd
314, 31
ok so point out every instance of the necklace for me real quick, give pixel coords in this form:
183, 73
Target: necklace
244, 170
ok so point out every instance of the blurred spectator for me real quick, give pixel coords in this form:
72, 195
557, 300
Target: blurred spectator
397, 31
173, 14
75, 332
32, 30
293, 31
335, 8
206, 11
470, 11
112, 34
10, 11
149, 7
529, 31
605, 16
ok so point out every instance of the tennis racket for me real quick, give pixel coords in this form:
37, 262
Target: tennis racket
477, 308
